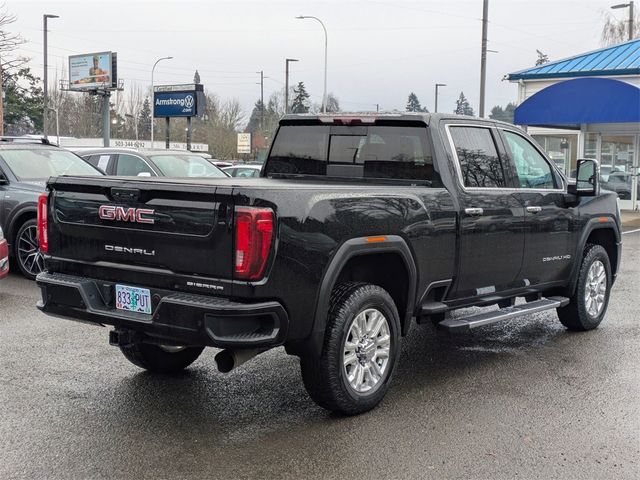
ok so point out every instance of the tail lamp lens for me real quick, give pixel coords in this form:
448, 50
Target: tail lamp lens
43, 236
254, 235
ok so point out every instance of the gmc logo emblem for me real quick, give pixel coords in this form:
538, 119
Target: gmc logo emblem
121, 214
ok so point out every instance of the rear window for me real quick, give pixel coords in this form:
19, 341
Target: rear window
382, 152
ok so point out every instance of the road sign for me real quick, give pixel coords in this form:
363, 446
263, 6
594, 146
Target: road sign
244, 143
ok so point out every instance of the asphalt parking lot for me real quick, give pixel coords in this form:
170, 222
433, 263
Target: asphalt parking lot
524, 399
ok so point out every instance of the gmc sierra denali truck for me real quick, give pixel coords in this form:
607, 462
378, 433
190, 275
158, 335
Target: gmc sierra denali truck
357, 225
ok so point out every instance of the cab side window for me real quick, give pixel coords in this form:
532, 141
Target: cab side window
132, 166
531, 167
478, 157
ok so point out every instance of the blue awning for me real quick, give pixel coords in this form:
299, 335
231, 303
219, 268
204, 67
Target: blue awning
583, 100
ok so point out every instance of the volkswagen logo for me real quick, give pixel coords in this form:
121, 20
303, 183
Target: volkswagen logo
188, 101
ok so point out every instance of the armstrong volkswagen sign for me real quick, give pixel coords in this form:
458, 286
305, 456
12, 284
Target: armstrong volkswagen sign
177, 100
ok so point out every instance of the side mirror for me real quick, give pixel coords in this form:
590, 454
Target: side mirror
587, 179
3, 179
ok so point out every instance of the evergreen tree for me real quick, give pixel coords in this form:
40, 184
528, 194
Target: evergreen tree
144, 120
462, 106
22, 102
413, 104
542, 58
196, 78
503, 114
254, 120
333, 104
300, 103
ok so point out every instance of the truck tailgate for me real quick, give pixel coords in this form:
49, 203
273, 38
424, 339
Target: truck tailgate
173, 227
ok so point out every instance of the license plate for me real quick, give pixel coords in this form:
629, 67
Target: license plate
133, 299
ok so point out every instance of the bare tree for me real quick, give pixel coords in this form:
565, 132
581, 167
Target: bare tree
616, 30
9, 43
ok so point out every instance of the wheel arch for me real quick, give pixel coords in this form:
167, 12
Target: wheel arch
17, 220
354, 261
599, 233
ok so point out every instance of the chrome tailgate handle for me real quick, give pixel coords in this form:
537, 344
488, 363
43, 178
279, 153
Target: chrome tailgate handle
474, 212
534, 209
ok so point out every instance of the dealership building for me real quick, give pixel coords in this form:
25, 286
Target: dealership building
588, 106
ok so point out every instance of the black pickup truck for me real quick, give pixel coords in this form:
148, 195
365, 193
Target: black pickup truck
358, 225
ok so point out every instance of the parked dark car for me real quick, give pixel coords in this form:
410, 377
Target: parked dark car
4, 256
25, 166
358, 225
128, 162
619, 182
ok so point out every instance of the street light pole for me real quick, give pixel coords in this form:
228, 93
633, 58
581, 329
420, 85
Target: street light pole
286, 83
435, 108
324, 94
625, 5
483, 56
152, 109
45, 76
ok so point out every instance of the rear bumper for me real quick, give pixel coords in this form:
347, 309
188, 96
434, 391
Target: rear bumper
178, 317
4, 259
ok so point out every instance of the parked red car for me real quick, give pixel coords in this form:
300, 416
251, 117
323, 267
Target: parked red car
4, 256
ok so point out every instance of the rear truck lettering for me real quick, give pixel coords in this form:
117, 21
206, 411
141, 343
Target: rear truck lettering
208, 286
122, 214
134, 251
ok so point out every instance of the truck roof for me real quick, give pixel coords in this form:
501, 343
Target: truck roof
372, 117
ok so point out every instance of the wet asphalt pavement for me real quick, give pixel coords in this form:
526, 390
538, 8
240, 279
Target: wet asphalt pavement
523, 399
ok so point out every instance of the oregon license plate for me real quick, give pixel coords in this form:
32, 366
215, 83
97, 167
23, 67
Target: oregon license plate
133, 299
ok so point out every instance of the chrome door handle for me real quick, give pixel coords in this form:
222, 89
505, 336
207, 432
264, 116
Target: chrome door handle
534, 209
474, 212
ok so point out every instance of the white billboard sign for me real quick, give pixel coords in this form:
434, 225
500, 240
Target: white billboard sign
91, 71
244, 143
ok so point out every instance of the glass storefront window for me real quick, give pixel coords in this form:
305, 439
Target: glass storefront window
591, 146
616, 162
561, 148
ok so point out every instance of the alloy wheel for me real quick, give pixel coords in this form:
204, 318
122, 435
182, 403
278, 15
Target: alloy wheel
29, 256
595, 289
366, 351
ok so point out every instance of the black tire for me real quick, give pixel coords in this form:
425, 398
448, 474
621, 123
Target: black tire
30, 262
576, 316
325, 377
159, 360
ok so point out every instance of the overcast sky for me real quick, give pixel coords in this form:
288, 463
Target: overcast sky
379, 50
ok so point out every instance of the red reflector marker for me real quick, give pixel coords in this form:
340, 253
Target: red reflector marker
254, 235
43, 236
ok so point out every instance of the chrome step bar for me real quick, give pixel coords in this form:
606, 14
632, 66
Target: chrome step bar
467, 324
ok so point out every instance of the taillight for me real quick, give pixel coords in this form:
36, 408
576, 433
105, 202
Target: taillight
254, 234
43, 236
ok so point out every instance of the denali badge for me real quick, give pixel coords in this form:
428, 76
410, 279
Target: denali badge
556, 258
134, 215
136, 251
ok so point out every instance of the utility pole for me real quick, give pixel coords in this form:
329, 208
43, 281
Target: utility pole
630, 21
261, 72
286, 83
483, 57
45, 76
435, 108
